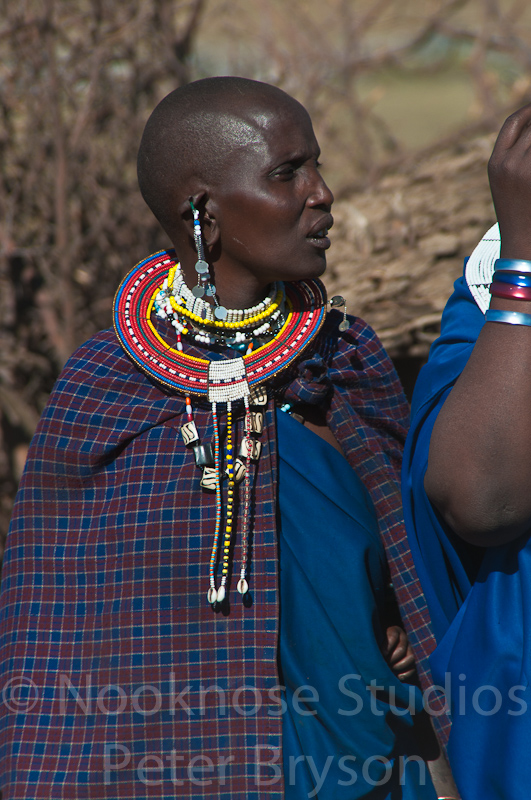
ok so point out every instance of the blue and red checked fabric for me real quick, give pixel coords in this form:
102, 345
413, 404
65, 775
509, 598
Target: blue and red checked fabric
119, 680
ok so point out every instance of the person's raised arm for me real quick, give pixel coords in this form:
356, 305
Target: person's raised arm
479, 469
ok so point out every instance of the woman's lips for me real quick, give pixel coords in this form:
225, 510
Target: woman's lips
318, 234
320, 239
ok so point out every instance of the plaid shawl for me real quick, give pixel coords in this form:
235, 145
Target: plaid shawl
119, 679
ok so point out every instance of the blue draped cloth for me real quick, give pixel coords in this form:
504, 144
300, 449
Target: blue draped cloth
339, 741
479, 599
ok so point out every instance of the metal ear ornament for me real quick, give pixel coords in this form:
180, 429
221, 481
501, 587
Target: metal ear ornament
337, 302
204, 283
201, 266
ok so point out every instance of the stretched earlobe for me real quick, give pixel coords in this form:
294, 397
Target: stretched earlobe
211, 230
202, 203
197, 201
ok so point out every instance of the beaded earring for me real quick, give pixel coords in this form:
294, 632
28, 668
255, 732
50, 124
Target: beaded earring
204, 284
201, 266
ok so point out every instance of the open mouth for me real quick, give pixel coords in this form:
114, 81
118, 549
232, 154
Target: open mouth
318, 234
319, 239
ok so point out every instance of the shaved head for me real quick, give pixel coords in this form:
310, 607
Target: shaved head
192, 133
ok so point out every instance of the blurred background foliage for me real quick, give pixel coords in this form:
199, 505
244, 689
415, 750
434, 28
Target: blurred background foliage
387, 82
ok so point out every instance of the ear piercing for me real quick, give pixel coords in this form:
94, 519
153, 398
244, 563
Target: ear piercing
204, 284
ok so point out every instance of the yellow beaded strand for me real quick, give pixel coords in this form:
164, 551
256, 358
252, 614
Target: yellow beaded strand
230, 498
229, 325
212, 595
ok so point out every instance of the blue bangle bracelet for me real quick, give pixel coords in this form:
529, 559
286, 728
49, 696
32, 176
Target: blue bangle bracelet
509, 317
513, 265
514, 278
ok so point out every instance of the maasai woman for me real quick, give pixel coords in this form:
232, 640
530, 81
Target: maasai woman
196, 590
467, 501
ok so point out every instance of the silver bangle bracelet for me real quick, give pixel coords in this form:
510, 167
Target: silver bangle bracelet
509, 317
513, 265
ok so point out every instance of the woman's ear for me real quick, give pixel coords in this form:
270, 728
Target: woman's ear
186, 210
210, 223
207, 216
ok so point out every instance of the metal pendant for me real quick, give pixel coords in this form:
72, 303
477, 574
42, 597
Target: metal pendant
337, 301
201, 267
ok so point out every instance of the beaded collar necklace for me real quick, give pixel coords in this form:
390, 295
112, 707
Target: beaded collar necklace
282, 326
186, 311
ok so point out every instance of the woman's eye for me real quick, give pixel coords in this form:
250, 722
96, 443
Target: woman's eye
288, 171
285, 172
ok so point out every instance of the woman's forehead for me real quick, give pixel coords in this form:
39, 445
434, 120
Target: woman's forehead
267, 134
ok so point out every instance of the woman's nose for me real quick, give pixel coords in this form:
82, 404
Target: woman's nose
320, 194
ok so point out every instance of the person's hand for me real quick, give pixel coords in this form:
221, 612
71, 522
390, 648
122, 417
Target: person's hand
510, 183
399, 654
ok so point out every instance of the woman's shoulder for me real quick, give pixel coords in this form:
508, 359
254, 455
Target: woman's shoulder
99, 376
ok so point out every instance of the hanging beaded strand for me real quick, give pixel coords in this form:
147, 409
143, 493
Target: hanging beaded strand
213, 594
202, 452
189, 411
243, 586
218, 595
189, 430
229, 509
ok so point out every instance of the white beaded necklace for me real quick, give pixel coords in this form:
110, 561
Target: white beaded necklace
177, 303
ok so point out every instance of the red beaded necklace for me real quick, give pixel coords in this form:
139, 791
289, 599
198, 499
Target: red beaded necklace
133, 306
